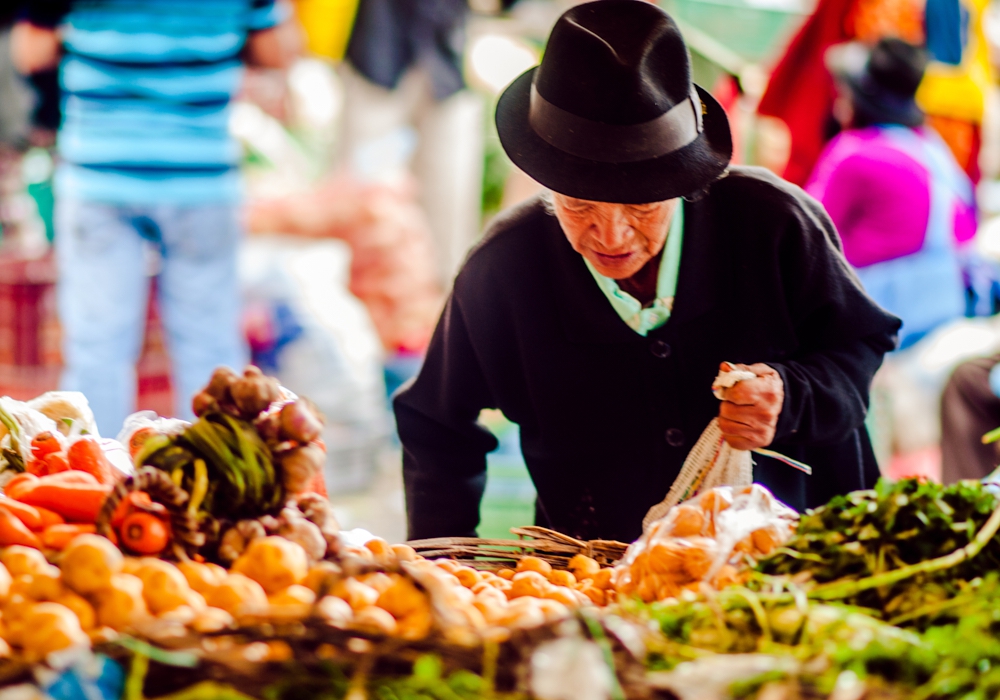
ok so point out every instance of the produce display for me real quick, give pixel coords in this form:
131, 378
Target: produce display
203, 560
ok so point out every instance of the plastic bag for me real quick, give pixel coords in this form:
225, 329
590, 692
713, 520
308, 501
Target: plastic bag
706, 540
69, 409
143, 420
335, 358
19, 425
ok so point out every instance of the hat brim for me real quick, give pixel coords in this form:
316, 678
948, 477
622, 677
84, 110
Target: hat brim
682, 172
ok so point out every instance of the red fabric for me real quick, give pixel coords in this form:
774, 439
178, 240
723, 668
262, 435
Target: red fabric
801, 90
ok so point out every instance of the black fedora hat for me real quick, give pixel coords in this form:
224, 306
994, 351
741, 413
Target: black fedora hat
884, 90
611, 113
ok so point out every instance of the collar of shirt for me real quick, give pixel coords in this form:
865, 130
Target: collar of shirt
643, 320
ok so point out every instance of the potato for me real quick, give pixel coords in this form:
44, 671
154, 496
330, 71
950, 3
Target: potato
583, 566
699, 557
449, 565
602, 579
334, 611
375, 619
528, 583
467, 576
668, 556
50, 627
596, 595
379, 547
83, 610
523, 613
357, 594
120, 604
164, 587
378, 581
402, 598
321, 577
238, 595
766, 539
46, 585
666, 588
553, 610
726, 576
405, 552
562, 578
89, 562
534, 564
212, 620
415, 625
295, 594
716, 500
273, 562
562, 594
686, 521
201, 577
20, 560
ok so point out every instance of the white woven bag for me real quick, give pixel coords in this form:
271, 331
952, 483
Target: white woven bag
712, 461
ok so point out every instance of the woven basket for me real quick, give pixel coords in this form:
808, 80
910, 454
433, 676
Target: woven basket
554, 547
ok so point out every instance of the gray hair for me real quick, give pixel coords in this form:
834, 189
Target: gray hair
546, 196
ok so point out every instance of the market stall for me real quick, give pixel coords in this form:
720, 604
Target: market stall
201, 561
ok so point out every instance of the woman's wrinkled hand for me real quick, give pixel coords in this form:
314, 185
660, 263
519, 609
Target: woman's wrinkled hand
749, 412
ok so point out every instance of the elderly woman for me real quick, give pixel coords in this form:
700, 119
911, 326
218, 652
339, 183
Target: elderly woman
597, 321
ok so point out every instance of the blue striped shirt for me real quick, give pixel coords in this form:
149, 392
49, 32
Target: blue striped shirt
147, 87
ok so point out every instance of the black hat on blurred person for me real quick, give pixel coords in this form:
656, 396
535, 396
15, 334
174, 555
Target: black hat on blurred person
611, 113
884, 88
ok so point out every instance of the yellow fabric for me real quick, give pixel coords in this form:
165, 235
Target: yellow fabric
959, 92
327, 25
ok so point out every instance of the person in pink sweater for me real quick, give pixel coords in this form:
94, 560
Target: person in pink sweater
900, 202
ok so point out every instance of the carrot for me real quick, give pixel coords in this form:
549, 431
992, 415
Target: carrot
145, 534
136, 500
86, 455
58, 536
54, 464
50, 517
45, 444
25, 513
19, 484
13, 531
138, 439
70, 477
78, 503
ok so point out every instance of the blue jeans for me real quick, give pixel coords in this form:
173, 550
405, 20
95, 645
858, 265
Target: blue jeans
103, 252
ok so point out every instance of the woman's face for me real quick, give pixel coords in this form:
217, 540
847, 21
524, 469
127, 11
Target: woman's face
617, 239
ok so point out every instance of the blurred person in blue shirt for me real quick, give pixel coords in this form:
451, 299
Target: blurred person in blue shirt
147, 164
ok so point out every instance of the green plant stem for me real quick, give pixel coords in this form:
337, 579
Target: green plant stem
840, 589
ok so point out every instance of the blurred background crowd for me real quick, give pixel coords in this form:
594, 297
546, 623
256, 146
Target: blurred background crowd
187, 183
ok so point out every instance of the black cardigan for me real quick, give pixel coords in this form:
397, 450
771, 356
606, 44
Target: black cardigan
607, 416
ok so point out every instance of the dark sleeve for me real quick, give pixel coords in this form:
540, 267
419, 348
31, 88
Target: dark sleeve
444, 448
843, 334
45, 13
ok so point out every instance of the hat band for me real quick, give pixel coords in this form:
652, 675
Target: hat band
616, 143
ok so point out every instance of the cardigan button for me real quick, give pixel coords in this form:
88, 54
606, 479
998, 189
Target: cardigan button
674, 437
660, 349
